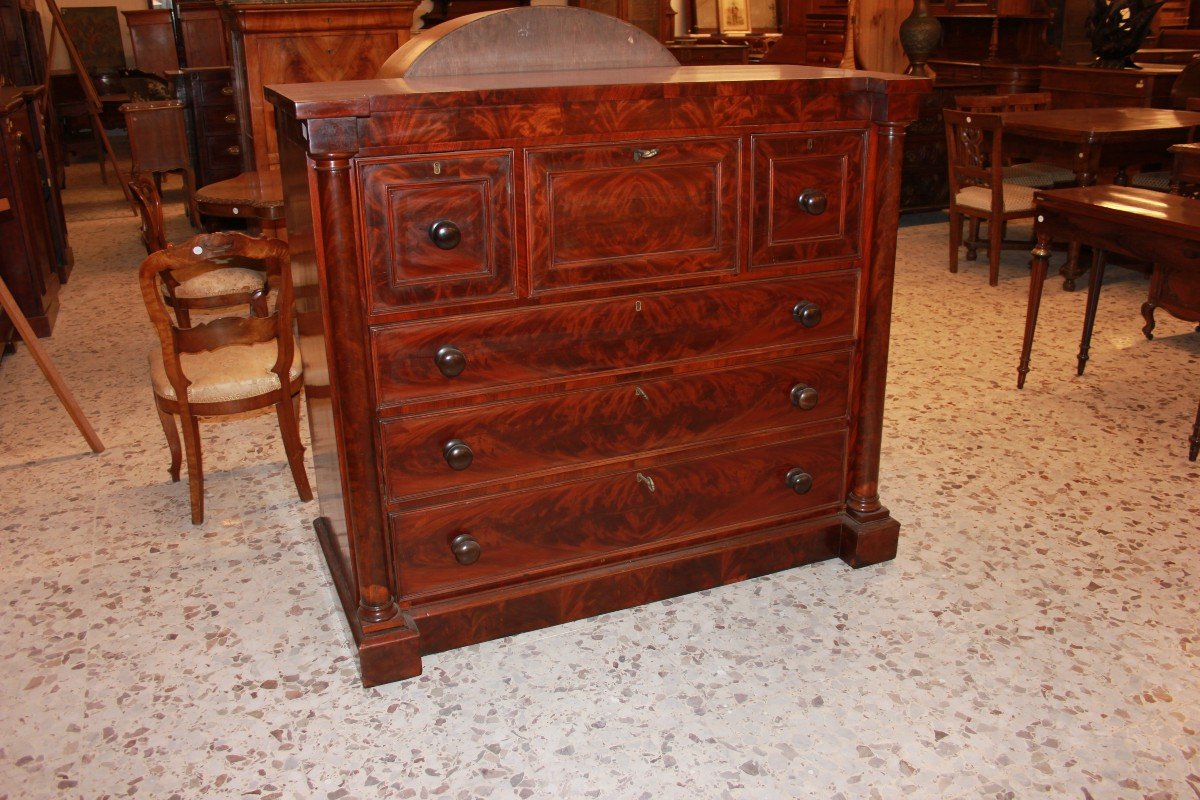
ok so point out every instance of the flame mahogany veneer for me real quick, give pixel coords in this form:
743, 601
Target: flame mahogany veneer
584, 340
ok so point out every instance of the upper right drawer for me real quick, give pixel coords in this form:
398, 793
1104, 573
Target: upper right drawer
808, 197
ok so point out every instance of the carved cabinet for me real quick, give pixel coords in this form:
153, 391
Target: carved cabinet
576, 341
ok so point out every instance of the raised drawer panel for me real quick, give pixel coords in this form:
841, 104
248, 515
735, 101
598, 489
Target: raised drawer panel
808, 197
633, 211
509, 440
487, 351
520, 533
438, 228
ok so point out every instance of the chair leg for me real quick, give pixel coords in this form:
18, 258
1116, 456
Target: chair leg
189, 197
955, 239
289, 428
168, 426
973, 239
1194, 450
995, 242
195, 465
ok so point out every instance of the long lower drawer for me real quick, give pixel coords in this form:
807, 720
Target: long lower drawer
464, 355
434, 453
468, 545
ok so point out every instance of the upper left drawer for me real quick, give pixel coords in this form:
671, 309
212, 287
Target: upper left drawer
438, 229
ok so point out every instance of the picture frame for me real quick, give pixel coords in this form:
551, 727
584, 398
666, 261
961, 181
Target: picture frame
734, 16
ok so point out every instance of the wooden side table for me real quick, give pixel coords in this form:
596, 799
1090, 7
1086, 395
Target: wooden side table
1139, 223
158, 144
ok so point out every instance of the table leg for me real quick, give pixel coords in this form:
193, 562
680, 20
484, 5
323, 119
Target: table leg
1041, 261
1085, 175
1089, 316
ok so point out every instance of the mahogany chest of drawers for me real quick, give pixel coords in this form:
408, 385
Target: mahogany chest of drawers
578, 341
213, 118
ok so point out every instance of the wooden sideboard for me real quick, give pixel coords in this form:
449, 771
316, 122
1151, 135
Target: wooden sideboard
575, 341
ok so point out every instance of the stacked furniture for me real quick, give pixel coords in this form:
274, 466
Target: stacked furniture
578, 337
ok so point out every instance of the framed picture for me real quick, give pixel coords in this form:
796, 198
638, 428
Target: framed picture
734, 16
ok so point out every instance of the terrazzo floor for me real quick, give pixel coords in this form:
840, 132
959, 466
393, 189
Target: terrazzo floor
1036, 637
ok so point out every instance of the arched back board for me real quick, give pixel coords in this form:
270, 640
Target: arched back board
526, 39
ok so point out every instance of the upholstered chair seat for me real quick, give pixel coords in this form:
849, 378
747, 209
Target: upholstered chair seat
1015, 198
230, 373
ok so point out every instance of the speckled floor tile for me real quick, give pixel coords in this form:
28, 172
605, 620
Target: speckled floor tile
1036, 637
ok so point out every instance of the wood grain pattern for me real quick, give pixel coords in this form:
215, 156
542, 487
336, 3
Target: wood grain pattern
524, 533
623, 333
549, 435
632, 211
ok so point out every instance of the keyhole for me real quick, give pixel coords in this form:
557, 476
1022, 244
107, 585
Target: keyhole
437, 168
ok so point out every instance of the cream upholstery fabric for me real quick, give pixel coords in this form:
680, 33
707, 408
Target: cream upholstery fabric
1159, 181
230, 373
218, 281
1038, 176
1016, 198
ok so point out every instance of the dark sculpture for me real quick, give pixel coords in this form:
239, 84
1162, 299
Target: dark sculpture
1117, 29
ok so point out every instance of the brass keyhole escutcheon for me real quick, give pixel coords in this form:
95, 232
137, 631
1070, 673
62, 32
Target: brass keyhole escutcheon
647, 481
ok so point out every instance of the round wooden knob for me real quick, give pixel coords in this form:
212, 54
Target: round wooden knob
813, 201
799, 481
450, 360
458, 454
804, 397
465, 549
807, 313
445, 234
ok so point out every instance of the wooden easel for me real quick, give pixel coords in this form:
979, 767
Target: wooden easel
89, 91
53, 377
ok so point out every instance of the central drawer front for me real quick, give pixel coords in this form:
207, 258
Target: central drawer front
630, 211
508, 440
519, 533
637, 331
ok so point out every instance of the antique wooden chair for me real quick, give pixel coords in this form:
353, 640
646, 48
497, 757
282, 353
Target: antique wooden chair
978, 190
227, 365
204, 286
1034, 174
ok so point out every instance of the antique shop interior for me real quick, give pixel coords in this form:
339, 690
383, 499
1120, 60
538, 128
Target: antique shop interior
600, 398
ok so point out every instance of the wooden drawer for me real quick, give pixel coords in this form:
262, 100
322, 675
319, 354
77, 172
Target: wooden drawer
825, 24
632, 211
438, 228
522, 534
213, 90
826, 43
222, 150
217, 119
808, 196
514, 439
487, 351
